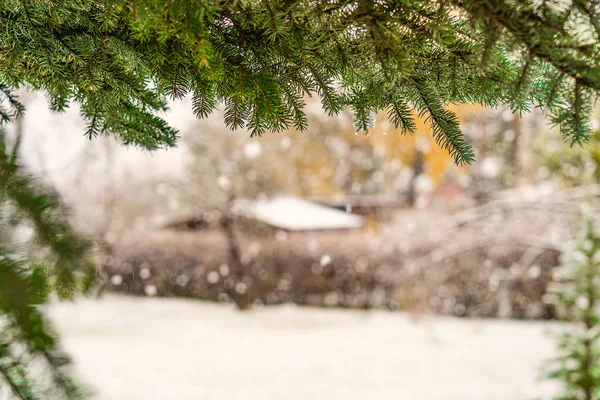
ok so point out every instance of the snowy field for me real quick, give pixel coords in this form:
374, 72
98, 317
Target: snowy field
129, 348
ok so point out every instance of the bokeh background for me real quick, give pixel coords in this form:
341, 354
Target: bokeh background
324, 264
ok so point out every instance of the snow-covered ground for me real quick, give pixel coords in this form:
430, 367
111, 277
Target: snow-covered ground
130, 348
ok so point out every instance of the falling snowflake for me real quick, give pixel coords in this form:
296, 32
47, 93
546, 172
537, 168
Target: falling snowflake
224, 182
224, 270
286, 143
144, 273
116, 280
582, 302
182, 280
252, 149
240, 287
150, 290
212, 277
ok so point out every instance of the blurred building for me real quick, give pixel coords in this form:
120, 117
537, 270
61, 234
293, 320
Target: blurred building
279, 214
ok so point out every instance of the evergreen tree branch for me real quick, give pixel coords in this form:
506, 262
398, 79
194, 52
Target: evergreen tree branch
586, 7
120, 59
521, 23
444, 124
15, 375
25, 282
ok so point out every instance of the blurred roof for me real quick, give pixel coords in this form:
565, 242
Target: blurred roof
282, 212
377, 200
295, 214
361, 204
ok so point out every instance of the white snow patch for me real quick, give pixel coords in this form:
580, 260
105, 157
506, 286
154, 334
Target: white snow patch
182, 349
252, 149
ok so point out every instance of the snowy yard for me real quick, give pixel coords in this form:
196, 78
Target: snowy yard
129, 348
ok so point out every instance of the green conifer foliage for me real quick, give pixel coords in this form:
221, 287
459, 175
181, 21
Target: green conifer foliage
120, 59
578, 297
51, 259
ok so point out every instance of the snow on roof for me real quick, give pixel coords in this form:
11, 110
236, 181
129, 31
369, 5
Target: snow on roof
298, 215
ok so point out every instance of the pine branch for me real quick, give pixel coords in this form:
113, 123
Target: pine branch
57, 362
554, 89
203, 101
577, 298
400, 116
25, 283
14, 375
523, 77
119, 61
513, 19
584, 6
444, 124
236, 113
577, 114
51, 232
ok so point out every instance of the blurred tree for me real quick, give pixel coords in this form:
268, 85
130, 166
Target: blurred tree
568, 166
502, 141
223, 166
330, 159
419, 151
577, 296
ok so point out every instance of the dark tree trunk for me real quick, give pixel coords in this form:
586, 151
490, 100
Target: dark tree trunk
418, 168
105, 257
242, 300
